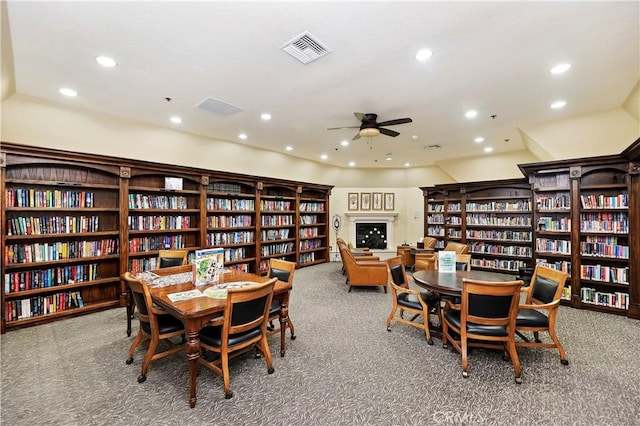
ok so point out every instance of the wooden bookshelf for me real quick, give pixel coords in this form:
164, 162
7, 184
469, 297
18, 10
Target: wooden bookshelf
73, 223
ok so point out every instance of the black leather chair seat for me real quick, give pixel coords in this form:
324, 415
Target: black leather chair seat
211, 336
411, 300
531, 318
453, 317
166, 324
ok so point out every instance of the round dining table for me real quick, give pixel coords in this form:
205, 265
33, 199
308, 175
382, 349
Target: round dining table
450, 283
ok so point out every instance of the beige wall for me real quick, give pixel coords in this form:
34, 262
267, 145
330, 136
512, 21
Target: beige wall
632, 103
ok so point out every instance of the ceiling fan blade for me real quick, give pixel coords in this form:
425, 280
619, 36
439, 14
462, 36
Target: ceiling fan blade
347, 127
388, 132
360, 116
396, 121
356, 137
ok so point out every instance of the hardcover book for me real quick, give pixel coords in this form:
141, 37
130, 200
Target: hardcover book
207, 265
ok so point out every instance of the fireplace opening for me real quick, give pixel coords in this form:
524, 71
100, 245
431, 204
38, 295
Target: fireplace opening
371, 235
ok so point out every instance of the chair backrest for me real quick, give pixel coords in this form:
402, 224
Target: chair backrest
490, 303
397, 272
168, 258
457, 247
283, 270
142, 298
429, 242
463, 262
546, 285
247, 309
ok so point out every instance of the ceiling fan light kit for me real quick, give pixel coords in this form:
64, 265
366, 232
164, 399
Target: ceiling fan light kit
369, 132
371, 128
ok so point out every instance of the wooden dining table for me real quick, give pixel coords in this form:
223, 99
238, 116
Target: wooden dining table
197, 312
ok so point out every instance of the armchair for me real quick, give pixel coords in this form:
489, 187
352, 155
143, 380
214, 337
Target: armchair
363, 273
540, 309
428, 261
485, 318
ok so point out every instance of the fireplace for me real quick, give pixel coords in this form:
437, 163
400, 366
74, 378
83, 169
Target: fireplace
371, 235
370, 223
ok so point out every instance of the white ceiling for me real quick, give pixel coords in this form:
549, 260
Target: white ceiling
493, 57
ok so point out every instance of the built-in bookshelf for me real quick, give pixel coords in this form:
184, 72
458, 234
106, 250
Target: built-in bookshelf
434, 207
163, 214
231, 222
61, 251
73, 223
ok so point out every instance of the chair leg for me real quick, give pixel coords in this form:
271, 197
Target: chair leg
513, 354
151, 350
225, 375
563, 354
264, 343
134, 345
536, 337
291, 329
427, 332
463, 341
393, 312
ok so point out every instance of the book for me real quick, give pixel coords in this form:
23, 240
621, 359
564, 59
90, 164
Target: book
207, 265
447, 261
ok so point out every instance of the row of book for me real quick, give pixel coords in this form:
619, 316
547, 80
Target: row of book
55, 198
276, 220
436, 218
615, 223
168, 202
500, 206
604, 250
502, 265
244, 267
279, 248
454, 207
34, 225
274, 234
51, 277
307, 257
560, 181
308, 219
229, 221
224, 187
618, 299
454, 220
545, 245
152, 223
310, 244
230, 204
156, 242
273, 205
238, 237
435, 208
455, 234
562, 265
607, 274
143, 264
36, 306
309, 232
504, 235
492, 219
481, 247
548, 223
311, 207
46, 252
556, 202
435, 231
233, 254
602, 201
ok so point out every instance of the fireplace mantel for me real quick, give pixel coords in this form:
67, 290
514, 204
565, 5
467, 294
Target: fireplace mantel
372, 217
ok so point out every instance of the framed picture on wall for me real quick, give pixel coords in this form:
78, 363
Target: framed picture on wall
365, 201
352, 201
377, 201
389, 201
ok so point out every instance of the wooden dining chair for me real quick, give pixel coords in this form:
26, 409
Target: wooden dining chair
169, 258
406, 299
486, 317
283, 270
244, 326
155, 325
539, 311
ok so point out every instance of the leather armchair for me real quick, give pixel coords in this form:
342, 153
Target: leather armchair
363, 273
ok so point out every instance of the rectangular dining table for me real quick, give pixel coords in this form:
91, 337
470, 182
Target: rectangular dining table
197, 312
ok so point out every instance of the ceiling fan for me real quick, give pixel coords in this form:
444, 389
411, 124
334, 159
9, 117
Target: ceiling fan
370, 127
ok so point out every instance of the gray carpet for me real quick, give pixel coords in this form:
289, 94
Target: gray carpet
344, 368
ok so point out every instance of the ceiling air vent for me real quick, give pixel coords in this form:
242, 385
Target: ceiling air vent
434, 146
216, 106
306, 48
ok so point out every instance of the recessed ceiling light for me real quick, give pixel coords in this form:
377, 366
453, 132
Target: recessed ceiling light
68, 92
265, 116
324, 156
558, 104
106, 61
488, 149
407, 164
389, 157
344, 143
560, 68
352, 163
423, 55
479, 139
289, 148
471, 113
242, 136
176, 120
414, 137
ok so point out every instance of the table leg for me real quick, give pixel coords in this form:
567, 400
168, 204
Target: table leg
130, 309
284, 320
193, 353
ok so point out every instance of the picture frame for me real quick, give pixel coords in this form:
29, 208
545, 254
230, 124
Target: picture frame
365, 201
389, 201
377, 201
353, 201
